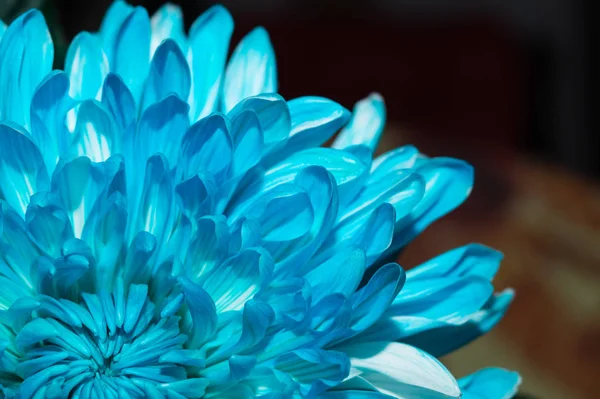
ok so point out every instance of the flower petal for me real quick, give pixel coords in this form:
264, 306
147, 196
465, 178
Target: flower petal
26, 55
207, 54
169, 74
22, 168
251, 70
313, 121
132, 50
490, 383
167, 23
87, 66
49, 110
402, 371
366, 125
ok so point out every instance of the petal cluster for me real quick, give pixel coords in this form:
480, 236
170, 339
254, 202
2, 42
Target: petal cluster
171, 227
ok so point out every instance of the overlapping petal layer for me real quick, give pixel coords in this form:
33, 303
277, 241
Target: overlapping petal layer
170, 227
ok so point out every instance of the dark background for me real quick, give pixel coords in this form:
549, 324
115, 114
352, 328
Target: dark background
507, 85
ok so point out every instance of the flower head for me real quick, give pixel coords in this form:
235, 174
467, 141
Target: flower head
170, 227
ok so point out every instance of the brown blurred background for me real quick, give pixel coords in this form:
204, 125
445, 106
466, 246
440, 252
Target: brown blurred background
504, 84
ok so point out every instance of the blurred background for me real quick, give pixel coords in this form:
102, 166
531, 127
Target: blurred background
505, 84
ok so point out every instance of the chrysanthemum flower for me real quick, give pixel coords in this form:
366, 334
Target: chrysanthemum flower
170, 227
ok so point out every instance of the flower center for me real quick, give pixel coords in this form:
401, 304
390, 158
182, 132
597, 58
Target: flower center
106, 342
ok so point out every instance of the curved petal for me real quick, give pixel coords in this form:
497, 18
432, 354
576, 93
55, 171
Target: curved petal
169, 74
118, 100
202, 141
251, 70
470, 260
95, 135
26, 56
490, 383
238, 279
22, 168
366, 125
132, 51
402, 371
49, 110
87, 66
314, 120
207, 54
167, 23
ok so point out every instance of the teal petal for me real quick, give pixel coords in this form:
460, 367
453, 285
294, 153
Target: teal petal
314, 120
251, 70
131, 51
203, 140
49, 108
167, 23
118, 100
202, 321
273, 115
490, 383
22, 168
207, 54
414, 374
238, 279
26, 55
169, 74
95, 135
87, 66
366, 125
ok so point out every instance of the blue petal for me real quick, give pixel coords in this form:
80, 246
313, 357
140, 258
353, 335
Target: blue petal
49, 108
470, 260
86, 65
18, 252
206, 147
95, 135
119, 101
169, 74
154, 213
203, 317
314, 120
490, 383
348, 171
105, 230
209, 246
397, 159
238, 279
132, 50
112, 22
26, 55
341, 273
447, 338
448, 184
22, 168
414, 374
273, 115
207, 54
314, 370
136, 269
196, 196
160, 131
251, 70
167, 23
371, 301
79, 184
48, 223
248, 139
433, 298
366, 125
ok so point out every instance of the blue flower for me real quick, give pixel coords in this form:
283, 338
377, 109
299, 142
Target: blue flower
172, 228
